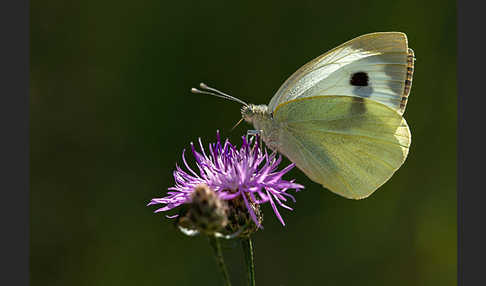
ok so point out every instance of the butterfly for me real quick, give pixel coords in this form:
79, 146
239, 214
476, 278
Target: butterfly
339, 118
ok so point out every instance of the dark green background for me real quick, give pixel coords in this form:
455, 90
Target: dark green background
111, 112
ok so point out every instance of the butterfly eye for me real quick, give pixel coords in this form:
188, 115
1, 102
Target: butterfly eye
359, 79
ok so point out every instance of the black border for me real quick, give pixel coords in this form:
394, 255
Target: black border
14, 118
471, 108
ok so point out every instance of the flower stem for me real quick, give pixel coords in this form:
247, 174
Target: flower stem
218, 253
250, 264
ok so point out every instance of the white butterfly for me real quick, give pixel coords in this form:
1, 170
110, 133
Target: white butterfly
339, 117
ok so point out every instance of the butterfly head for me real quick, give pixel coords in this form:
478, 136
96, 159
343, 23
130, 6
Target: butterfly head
252, 112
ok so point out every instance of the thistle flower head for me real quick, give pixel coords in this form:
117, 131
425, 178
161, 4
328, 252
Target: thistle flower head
247, 175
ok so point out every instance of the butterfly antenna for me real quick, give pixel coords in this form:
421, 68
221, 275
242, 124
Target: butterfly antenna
214, 92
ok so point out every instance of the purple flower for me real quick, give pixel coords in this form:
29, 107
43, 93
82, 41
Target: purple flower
248, 173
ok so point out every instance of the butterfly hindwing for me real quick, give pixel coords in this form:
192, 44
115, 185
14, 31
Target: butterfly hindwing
350, 145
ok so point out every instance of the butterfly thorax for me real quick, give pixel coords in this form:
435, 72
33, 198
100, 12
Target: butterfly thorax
262, 120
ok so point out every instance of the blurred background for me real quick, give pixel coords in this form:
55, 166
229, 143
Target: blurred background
111, 113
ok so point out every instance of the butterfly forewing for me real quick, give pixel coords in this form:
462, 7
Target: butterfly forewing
377, 66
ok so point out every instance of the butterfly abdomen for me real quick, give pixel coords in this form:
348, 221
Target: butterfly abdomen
408, 80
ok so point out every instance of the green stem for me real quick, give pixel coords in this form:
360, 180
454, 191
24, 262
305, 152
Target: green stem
218, 253
250, 264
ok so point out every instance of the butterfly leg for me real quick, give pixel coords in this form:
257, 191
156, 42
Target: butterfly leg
255, 133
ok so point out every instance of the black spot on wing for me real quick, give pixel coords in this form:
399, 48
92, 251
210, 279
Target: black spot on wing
359, 79
361, 82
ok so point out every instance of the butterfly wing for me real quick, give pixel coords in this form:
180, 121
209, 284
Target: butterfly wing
350, 145
377, 66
